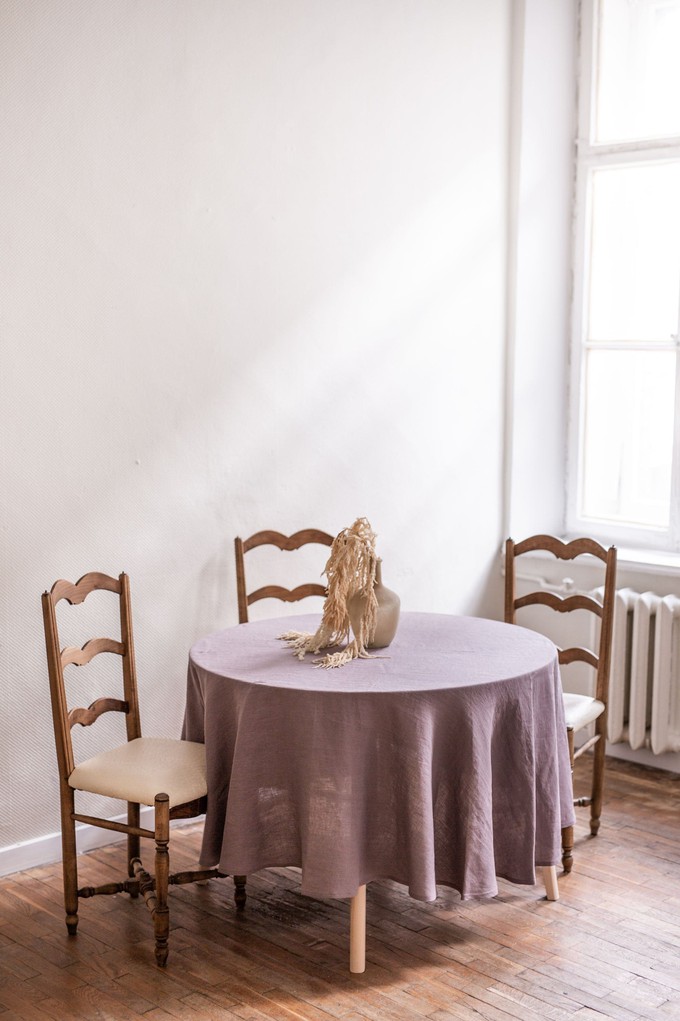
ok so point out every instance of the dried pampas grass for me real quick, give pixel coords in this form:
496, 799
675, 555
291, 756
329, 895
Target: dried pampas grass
350, 570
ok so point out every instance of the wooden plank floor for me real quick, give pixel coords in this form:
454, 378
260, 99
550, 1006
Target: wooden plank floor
609, 948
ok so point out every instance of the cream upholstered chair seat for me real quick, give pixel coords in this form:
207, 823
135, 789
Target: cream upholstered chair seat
139, 770
580, 710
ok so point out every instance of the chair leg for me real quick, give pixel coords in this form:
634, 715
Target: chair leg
240, 892
598, 778
133, 840
161, 913
567, 848
568, 831
69, 858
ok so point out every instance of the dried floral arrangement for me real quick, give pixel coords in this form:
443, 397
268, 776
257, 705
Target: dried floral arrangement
350, 570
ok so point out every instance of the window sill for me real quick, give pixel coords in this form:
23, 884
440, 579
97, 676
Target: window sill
649, 561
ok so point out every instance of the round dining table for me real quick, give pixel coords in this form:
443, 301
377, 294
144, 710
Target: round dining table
442, 760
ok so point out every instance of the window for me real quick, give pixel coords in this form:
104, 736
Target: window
624, 464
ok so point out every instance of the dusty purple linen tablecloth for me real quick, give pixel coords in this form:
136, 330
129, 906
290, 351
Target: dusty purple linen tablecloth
444, 762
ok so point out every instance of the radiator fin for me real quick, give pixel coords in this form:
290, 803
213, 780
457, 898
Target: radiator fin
644, 689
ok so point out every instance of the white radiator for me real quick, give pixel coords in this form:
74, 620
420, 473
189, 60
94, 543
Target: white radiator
644, 686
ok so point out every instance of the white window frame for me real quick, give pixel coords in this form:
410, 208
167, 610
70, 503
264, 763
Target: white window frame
590, 156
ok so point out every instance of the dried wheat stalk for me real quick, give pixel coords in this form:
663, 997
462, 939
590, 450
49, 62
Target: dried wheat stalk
350, 570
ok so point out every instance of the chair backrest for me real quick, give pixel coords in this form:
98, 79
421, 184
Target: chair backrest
57, 659
600, 659
283, 542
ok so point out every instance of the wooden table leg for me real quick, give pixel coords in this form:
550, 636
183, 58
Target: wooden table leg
550, 879
357, 932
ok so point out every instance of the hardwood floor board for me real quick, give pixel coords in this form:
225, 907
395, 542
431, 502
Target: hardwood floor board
56, 950
495, 967
248, 1012
294, 1005
490, 993
60, 1010
597, 951
198, 1007
275, 1004
645, 998
610, 1007
652, 988
423, 997
590, 1014
33, 999
527, 1008
608, 949
33, 903
458, 949
19, 921
638, 951
389, 963
433, 995
464, 993
253, 941
631, 928
559, 989
96, 1005
325, 953
473, 1009
415, 1003
158, 986
117, 989
256, 948
13, 966
22, 998
554, 1003
202, 1007
588, 990
387, 1004
158, 1014
336, 996
491, 940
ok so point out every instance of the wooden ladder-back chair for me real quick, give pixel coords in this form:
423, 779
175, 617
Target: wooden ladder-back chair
167, 774
283, 542
579, 710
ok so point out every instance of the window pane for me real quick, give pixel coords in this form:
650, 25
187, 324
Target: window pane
635, 252
638, 83
629, 418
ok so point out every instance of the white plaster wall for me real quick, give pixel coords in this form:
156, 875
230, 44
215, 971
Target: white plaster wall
252, 275
540, 353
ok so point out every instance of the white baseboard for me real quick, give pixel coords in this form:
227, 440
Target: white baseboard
47, 849
669, 761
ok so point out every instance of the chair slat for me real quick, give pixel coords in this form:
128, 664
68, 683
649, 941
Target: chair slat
79, 591
563, 604
270, 537
286, 595
577, 654
288, 542
86, 717
560, 549
79, 657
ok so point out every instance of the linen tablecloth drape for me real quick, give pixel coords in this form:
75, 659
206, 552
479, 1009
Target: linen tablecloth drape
443, 761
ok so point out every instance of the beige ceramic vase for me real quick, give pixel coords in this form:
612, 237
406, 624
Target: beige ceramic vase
388, 612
